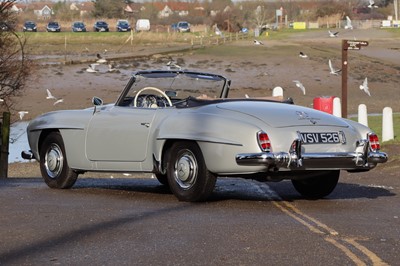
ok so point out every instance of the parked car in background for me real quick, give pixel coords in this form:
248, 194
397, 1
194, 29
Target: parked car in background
142, 25
78, 26
174, 26
53, 26
183, 26
123, 25
181, 126
7, 26
29, 26
101, 25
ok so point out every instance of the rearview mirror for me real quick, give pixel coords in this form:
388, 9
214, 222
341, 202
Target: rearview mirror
97, 101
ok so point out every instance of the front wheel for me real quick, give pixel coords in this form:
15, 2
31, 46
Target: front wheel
188, 176
317, 186
53, 163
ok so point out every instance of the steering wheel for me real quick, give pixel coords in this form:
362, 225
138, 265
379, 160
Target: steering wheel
153, 89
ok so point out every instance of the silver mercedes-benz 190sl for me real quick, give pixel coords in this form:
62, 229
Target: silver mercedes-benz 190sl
183, 127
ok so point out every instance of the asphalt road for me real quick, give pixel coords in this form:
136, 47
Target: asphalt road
136, 221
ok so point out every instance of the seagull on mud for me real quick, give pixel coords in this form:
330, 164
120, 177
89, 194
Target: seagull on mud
111, 68
300, 86
218, 31
92, 68
1, 100
372, 4
100, 59
303, 55
257, 42
364, 87
332, 70
333, 34
22, 114
50, 96
348, 26
172, 65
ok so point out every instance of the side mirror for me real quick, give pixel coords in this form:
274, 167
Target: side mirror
96, 101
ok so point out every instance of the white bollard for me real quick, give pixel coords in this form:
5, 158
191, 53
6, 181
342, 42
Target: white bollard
277, 91
387, 124
337, 107
362, 114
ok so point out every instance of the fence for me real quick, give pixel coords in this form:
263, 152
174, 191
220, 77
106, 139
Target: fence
4, 144
219, 39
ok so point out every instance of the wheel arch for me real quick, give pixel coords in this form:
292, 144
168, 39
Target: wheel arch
43, 135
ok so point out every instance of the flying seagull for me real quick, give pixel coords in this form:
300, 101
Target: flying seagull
49, 95
300, 86
364, 87
100, 59
92, 68
348, 23
22, 113
332, 70
372, 4
333, 34
256, 42
303, 55
58, 101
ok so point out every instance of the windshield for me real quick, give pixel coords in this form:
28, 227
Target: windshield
177, 85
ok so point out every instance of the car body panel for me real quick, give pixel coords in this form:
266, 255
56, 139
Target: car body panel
132, 134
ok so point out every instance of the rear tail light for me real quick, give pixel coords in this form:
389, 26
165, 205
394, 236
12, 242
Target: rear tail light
374, 142
263, 141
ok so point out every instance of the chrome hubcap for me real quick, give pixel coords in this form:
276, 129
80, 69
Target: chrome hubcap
186, 170
54, 161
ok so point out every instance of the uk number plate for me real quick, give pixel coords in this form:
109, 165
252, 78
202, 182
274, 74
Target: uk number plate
321, 137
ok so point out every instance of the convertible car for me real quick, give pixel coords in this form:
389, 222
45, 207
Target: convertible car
183, 127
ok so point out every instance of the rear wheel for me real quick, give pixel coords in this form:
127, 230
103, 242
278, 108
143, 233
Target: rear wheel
53, 163
318, 186
188, 176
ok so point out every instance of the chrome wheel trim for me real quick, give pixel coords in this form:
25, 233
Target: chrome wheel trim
185, 170
54, 161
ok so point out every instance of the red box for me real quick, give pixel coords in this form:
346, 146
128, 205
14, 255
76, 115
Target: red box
324, 103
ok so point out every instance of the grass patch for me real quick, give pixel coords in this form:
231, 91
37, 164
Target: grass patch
375, 123
52, 42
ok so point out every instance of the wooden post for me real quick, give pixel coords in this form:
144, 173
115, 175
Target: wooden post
4, 145
347, 45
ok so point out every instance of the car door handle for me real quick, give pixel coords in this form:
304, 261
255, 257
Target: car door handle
145, 124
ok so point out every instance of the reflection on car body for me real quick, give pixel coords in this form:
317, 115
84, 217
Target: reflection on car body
181, 126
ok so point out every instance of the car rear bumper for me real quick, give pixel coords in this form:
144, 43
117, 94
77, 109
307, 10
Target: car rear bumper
361, 159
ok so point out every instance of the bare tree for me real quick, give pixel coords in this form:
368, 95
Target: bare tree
14, 65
